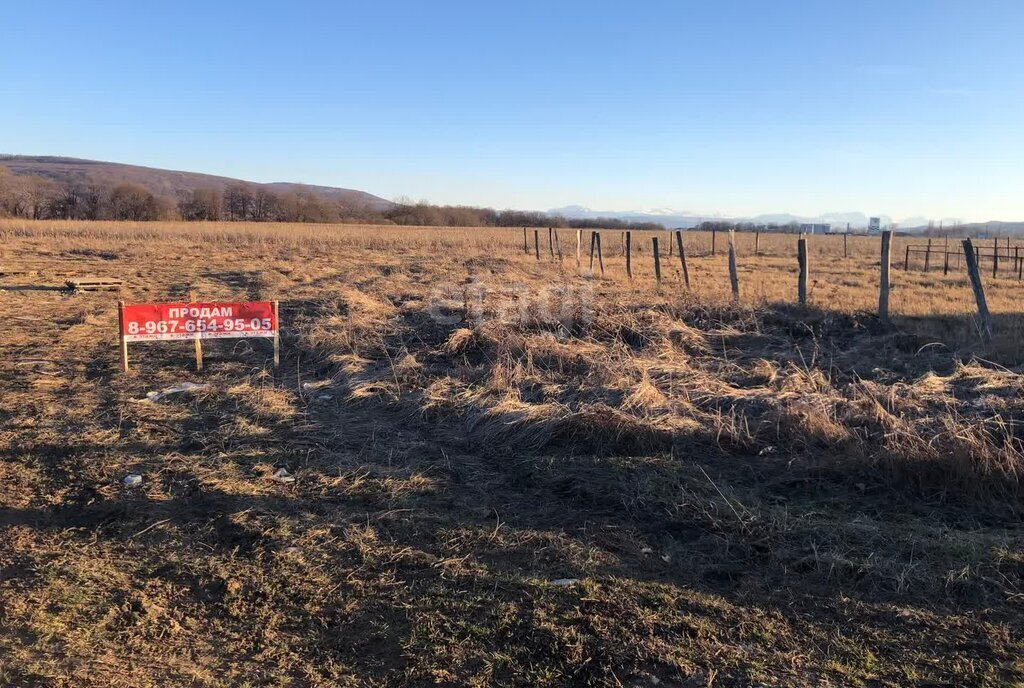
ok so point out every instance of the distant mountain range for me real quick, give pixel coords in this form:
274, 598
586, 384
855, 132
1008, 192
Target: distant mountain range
167, 183
839, 221
674, 218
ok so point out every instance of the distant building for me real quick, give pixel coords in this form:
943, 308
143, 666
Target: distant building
815, 228
874, 225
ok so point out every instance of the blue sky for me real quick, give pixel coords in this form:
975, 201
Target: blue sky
737, 108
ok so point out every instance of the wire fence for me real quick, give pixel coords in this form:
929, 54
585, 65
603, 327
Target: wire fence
1002, 257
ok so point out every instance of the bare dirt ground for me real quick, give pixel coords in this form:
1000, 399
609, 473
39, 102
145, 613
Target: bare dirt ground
506, 471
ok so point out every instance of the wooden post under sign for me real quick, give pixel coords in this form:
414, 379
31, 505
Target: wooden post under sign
277, 335
198, 341
120, 334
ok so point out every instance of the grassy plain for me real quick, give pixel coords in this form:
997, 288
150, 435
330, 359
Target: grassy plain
506, 471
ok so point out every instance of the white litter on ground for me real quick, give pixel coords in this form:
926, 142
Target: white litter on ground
565, 582
282, 475
153, 397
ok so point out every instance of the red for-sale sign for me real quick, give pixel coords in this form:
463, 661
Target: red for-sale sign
163, 321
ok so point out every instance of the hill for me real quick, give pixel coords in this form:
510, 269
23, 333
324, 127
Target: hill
170, 184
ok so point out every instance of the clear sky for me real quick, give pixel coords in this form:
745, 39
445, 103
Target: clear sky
899, 107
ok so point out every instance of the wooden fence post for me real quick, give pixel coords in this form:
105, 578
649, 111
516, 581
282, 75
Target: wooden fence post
670, 245
593, 244
536, 243
995, 257
558, 247
682, 258
801, 287
629, 257
906, 260
579, 240
120, 336
979, 291
600, 257
714, 233
657, 260
845, 237
883, 287
757, 242
945, 252
734, 278
928, 255
551, 242
526, 247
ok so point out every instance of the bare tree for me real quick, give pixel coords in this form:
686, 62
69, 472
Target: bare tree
301, 206
263, 205
133, 202
237, 201
201, 204
68, 203
39, 193
6, 189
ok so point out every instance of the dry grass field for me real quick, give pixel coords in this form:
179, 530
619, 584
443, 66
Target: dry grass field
506, 471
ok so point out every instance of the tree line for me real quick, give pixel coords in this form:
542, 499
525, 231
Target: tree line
40, 198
